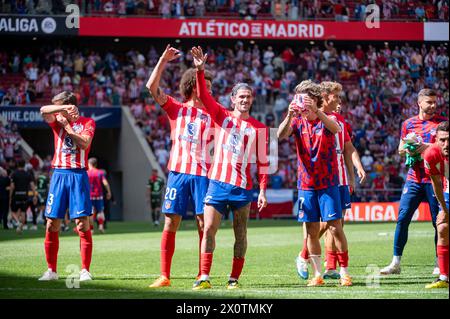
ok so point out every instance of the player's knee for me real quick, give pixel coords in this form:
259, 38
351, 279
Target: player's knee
83, 225
442, 229
52, 226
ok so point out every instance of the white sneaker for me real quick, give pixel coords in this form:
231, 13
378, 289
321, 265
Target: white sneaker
302, 267
34, 227
391, 270
85, 275
25, 227
49, 275
436, 271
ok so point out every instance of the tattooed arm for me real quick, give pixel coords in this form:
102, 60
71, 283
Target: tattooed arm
153, 82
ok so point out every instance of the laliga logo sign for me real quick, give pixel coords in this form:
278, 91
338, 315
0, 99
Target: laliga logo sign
48, 25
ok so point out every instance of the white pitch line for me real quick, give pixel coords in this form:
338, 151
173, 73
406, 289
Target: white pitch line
304, 291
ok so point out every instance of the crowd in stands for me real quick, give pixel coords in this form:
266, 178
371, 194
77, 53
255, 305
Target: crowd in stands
338, 10
380, 91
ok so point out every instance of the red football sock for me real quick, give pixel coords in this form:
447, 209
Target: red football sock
332, 258
304, 254
167, 251
85, 248
342, 258
51, 244
206, 262
200, 238
238, 264
442, 252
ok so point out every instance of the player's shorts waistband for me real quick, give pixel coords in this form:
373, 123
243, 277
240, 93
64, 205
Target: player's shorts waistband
69, 170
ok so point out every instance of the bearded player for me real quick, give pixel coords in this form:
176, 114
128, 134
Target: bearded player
189, 158
69, 186
436, 166
238, 138
417, 187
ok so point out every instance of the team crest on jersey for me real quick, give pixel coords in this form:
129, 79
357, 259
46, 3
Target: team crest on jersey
167, 204
192, 128
68, 143
77, 127
234, 139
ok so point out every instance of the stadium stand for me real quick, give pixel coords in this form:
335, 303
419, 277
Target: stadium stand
338, 10
381, 81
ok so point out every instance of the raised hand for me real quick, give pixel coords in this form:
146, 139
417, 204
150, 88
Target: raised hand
199, 57
170, 54
310, 104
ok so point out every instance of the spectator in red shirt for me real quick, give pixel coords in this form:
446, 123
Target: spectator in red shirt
34, 161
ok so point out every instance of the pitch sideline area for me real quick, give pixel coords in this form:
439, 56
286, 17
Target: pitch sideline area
126, 260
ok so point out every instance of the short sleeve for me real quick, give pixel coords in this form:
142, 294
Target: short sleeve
89, 128
171, 107
431, 160
403, 132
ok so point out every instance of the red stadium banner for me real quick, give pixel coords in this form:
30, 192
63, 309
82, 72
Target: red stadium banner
383, 212
257, 29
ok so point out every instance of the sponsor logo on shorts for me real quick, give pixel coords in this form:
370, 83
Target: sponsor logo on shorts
331, 215
48, 210
208, 198
301, 215
80, 212
167, 204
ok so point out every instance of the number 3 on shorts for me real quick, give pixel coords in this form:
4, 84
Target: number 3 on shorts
171, 193
50, 199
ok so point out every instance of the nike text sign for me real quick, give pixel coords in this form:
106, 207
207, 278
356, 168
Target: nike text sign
30, 117
259, 29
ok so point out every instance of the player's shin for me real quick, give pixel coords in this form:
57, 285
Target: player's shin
51, 249
167, 251
85, 248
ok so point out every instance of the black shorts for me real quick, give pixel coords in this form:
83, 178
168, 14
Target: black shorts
155, 203
19, 202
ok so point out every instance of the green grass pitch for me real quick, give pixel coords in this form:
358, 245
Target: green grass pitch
126, 260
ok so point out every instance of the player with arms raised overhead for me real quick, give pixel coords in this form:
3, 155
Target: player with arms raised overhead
418, 185
240, 140
318, 181
189, 158
69, 186
436, 166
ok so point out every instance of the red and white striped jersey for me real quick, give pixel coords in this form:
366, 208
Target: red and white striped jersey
67, 154
191, 138
239, 143
341, 138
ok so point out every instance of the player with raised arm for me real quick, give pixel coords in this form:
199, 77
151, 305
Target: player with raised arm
240, 140
97, 180
436, 166
69, 185
189, 158
417, 188
318, 181
347, 158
